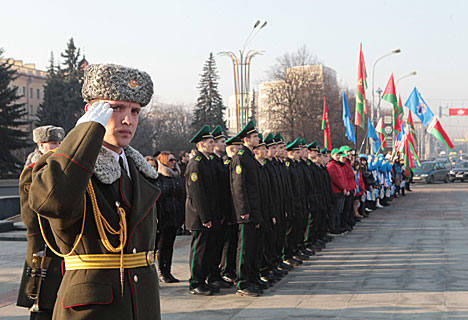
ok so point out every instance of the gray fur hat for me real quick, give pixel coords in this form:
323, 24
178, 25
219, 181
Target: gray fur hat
48, 133
114, 82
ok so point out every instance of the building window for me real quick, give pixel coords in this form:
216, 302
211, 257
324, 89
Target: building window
37, 91
30, 92
30, 109
24, 92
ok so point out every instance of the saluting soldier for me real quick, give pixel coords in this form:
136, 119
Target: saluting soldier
201, 211
228, 258
245, 190
42, 272
97, 194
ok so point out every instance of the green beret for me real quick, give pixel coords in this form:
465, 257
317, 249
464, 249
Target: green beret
48, 134
203, 133
335, 150
114, 82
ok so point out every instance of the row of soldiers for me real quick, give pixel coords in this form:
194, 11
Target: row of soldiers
256, 212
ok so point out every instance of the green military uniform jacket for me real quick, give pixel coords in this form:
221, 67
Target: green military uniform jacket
58, 192
49, 284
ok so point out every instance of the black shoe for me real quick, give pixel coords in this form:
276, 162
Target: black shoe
229, 278
165, 278
173, 279
292, 262
260, 284
357, 219
212, 288
254, 288
247, 292
221, 283
279, 272
202, 291
284, 267
308, 252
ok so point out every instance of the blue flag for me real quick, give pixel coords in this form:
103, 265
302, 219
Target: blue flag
373, 135
419, 107
347, 120
401, 134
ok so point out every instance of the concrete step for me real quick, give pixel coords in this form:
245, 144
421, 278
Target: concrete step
15, 235
6, 226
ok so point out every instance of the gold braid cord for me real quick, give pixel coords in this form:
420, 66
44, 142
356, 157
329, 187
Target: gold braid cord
77, 240
103, 226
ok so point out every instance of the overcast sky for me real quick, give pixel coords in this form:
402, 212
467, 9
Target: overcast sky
171, 40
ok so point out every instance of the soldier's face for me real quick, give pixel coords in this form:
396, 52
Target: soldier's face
313, 155
206, 145
220, 145
47, 146
252, 139
122, 124
272, 151
261, 152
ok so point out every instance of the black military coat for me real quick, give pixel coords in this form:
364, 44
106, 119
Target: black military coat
224, 189
202, 188
265, 199
245, 186
297, 188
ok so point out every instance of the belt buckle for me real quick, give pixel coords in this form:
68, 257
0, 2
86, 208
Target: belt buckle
150, 258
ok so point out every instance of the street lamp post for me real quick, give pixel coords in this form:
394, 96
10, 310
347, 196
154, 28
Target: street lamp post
373, 76
241, 69
406, 76
379, 92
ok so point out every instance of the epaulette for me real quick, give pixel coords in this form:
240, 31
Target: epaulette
287, 163
264, 161
227, 161
241, 152
211, 157
309, 162
198, 158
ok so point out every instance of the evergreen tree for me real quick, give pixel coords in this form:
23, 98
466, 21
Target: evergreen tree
209, 108
253, 107
63, 104
12, 116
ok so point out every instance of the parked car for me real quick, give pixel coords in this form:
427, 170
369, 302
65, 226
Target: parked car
431, 171
459, 172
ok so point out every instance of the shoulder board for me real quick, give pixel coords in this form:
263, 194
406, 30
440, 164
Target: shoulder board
198, 158
241, 152
287, 163
31, 165
227, 162
211, 157
309, 162
264, 161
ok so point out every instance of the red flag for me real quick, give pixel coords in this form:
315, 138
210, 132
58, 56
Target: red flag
325, 126
458, 112
361, 102
435, 128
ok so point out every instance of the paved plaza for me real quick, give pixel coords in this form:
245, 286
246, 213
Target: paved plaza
406, 261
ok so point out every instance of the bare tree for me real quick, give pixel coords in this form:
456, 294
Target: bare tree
163, 127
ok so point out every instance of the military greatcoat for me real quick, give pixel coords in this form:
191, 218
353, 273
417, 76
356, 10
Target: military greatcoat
58, 192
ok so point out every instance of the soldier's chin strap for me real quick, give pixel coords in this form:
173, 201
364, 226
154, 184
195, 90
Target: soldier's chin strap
102, 226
